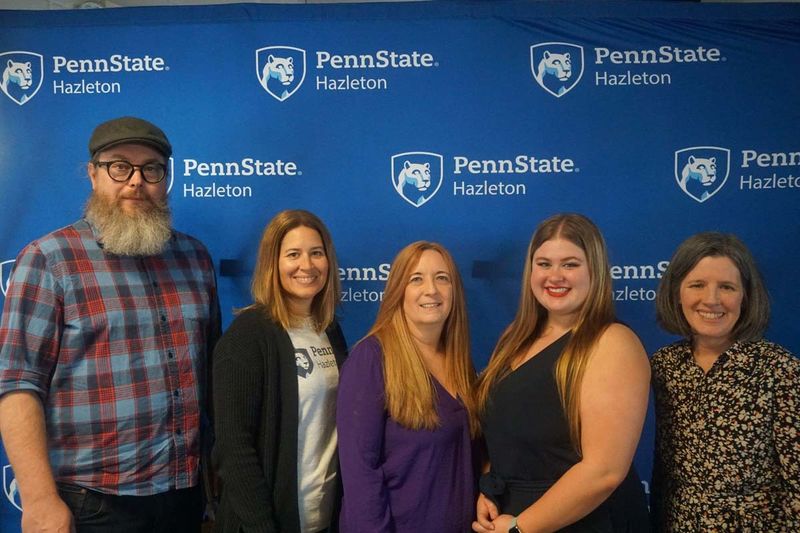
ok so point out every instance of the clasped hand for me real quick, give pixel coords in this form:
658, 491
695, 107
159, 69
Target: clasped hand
489, 519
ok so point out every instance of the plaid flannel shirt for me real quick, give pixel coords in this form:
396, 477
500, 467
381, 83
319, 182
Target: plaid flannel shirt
116, 348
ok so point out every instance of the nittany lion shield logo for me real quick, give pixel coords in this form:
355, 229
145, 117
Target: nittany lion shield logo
23, 73
417, 176
5, 274
305, 365
10, 487
557, 67
281, 70
701, 171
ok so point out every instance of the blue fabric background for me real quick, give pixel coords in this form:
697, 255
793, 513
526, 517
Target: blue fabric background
477, 100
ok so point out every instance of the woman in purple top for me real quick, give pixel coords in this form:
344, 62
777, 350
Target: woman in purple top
406, 414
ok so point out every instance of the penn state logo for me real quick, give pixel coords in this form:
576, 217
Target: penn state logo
557, 67
701, 171
417, 176
305, 365
5, 274
281, 70
23, 73
10, 487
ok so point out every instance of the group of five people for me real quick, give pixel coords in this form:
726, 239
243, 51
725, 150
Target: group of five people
109, 325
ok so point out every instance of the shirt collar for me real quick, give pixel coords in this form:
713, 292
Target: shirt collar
94, 230
736, 357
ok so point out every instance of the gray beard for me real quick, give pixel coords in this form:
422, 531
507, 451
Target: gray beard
143, 232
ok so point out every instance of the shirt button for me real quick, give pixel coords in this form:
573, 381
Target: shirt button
155, 284
176, 393
170, 355
163, 318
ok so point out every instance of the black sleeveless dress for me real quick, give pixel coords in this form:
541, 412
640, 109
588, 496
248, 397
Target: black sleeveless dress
529, 448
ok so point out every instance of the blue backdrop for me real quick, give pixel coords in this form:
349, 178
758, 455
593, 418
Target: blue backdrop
465, 123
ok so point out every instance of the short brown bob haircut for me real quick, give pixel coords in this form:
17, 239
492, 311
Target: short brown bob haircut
266, 288
754, 316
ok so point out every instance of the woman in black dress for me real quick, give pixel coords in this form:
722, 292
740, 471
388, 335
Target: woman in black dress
564, 397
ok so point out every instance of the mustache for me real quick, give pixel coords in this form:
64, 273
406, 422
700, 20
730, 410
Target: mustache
135, 196
151, 203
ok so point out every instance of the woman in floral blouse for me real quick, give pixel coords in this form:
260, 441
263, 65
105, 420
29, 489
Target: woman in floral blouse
727, 454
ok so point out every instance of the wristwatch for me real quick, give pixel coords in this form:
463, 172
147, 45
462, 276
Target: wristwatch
513, 527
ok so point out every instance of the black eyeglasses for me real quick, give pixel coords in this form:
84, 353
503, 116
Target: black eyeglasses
121, 170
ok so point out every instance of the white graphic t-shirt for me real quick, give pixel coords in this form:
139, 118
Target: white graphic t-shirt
317, 463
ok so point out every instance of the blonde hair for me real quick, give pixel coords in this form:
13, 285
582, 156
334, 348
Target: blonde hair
268, 294
410, 392
595, 315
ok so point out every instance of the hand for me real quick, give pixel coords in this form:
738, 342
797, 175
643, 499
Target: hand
47, 515
502, 523
487, 512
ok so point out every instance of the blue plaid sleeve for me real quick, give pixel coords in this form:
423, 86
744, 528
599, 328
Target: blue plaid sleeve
31, 325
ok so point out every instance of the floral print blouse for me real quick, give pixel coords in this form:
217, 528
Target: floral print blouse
727, 451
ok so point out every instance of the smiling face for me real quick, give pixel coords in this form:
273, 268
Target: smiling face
711, 297
132, 195
428, 297
560, 279
303, 268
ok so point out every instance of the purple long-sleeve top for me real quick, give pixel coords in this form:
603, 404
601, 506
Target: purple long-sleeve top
397, 479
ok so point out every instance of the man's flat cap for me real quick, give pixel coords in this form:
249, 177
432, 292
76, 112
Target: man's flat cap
128, 130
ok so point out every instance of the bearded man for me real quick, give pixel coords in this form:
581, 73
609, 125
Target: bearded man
106, 332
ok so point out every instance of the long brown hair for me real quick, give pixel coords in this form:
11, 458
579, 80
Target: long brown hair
266, 285
596, 314
410, 393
